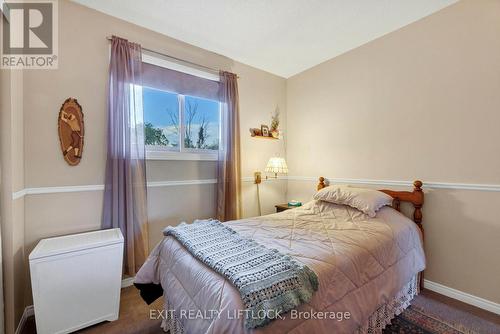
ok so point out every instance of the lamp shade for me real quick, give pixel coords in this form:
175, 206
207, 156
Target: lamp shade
277, 165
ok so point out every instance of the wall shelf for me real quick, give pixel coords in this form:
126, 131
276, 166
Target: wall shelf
264, 137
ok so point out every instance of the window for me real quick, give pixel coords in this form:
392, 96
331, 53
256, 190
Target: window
182, 114
161, 118
201, 123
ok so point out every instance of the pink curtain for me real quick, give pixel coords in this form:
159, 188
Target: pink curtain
228, 168
125, 201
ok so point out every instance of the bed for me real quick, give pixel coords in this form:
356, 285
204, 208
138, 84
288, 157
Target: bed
368, 269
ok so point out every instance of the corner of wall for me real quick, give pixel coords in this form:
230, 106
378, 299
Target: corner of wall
12, 209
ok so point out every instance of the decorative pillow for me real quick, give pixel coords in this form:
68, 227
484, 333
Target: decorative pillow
369, 201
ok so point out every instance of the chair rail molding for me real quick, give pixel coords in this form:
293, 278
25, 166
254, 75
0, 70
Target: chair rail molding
429, 185
171, 183
100, 187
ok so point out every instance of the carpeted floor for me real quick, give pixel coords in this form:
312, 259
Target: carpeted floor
417, 320
430, 313
433, 313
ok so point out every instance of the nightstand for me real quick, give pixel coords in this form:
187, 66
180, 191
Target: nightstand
283, 207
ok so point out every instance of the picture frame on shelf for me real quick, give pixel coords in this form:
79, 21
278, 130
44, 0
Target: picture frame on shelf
264, 129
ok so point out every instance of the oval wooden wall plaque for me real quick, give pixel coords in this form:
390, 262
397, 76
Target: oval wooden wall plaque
71, 131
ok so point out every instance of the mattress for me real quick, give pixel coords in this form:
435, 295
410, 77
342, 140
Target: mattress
362, 263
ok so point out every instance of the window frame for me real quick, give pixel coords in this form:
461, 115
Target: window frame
158, 152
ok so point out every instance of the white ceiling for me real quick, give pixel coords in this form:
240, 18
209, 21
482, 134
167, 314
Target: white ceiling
283, 37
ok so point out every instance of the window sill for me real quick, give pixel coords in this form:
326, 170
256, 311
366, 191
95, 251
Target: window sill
191, 156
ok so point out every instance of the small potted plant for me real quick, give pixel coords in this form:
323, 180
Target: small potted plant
275, 123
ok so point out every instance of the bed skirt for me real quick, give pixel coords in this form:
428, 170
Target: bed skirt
383, 316
374, 325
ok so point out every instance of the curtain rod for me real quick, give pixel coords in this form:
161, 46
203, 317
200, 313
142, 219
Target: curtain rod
178, 59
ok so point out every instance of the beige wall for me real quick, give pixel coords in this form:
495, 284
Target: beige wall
260, 94
82, 73
421, 102
429, 106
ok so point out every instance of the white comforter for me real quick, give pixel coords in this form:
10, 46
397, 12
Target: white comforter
361, 263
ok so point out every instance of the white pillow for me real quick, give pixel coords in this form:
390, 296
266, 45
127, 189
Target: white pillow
369, 201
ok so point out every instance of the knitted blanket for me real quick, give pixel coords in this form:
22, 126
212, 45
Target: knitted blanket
270, 283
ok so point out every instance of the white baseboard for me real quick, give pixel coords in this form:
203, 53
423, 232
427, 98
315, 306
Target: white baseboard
463, 296
29, 311
126, 282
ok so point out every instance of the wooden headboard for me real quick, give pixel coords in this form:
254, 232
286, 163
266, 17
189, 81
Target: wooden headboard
415, 197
